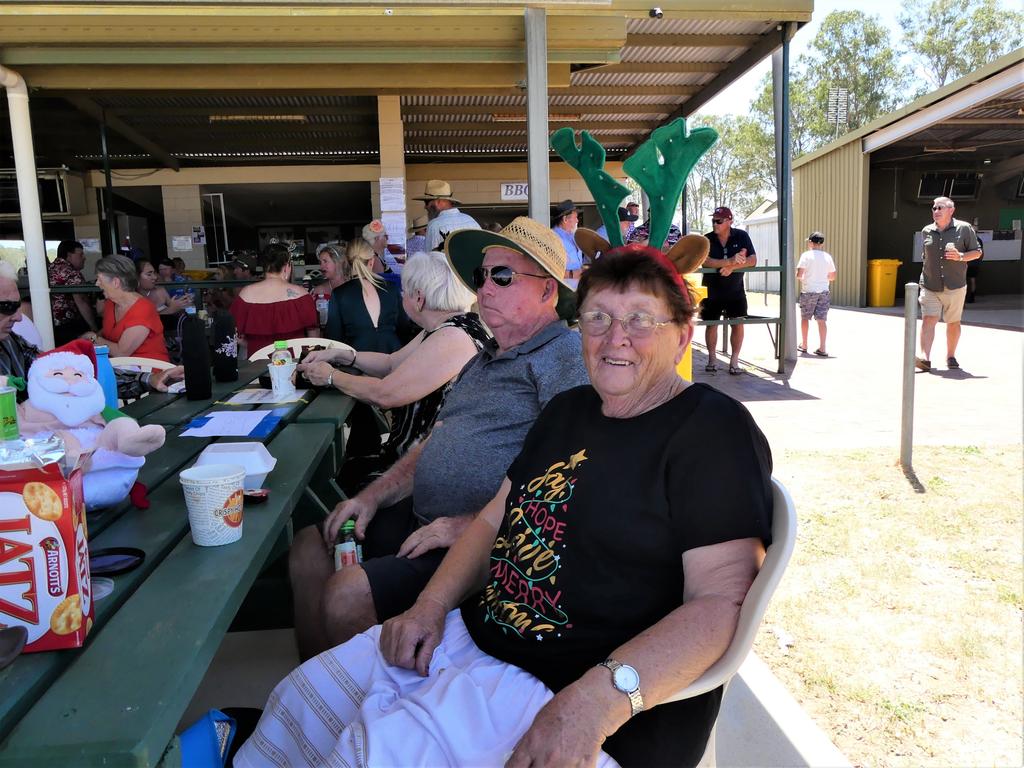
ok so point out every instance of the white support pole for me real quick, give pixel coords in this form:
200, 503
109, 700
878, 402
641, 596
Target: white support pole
28, 199
909, 345
537, 113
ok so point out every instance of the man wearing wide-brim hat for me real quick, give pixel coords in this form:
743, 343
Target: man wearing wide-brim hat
565, 218
417, 241
432, 494
445, 216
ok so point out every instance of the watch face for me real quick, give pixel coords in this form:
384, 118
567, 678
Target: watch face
626, 679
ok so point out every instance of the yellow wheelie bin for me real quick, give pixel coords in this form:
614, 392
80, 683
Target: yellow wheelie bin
882, 282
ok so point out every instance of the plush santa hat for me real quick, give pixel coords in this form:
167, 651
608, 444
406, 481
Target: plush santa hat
78, 354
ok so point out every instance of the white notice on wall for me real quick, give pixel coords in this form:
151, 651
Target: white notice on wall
90, 244
394, 225
181, 243
198, 235
392, 194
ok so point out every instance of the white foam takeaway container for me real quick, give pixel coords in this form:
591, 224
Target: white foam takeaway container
253, 456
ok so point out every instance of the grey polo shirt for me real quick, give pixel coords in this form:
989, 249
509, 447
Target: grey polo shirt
938, 273
485, 419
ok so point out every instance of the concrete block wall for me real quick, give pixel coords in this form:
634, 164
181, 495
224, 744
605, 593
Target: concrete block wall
183, 209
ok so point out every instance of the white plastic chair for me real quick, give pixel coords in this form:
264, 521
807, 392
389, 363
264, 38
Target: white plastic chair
296, 345
752, 611
142, 363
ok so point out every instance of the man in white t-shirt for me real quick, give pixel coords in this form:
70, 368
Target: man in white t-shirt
815, 271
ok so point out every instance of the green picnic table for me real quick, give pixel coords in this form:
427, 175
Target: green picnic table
117, 700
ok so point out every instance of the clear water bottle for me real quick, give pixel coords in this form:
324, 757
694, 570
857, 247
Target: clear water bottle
105, 376
281, 354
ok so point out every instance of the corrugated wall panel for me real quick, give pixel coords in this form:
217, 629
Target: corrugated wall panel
830, 194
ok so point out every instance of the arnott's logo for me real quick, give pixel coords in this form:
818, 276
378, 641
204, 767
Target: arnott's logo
51, 550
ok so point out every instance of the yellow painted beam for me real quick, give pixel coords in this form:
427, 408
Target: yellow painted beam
353, 79
164, 25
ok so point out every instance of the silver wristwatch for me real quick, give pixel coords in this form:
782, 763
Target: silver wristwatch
627, 680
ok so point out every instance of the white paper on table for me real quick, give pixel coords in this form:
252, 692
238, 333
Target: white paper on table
176, 388
261, 397
227, 424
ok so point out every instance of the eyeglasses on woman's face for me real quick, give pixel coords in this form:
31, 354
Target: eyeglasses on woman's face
635, 324
8, 308
500, 275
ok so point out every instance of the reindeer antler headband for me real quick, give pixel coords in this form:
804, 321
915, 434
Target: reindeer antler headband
660, 166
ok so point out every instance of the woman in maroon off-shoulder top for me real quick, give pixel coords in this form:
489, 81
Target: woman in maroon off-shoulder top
274, 309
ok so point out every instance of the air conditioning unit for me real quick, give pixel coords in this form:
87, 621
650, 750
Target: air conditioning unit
60, 194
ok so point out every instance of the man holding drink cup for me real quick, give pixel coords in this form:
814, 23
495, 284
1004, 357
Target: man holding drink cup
948, 245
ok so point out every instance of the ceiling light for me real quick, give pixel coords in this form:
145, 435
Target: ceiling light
257, 118
987, 161
950, 149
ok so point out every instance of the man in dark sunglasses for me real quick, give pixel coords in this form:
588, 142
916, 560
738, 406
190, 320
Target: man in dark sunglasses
16, 354
948, 244
731, 251
421, 504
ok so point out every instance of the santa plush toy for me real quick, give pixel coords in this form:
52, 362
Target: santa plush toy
65, 398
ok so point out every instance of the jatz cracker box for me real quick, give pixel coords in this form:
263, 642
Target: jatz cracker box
44, 557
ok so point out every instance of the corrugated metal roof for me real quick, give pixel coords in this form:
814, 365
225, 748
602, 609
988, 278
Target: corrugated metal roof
180, 120
697, 27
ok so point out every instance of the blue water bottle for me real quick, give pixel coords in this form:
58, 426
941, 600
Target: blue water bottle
105, 376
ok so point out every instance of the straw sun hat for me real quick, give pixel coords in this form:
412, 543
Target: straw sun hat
465, 251
437, 189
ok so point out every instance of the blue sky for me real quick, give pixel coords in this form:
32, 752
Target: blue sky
738, 97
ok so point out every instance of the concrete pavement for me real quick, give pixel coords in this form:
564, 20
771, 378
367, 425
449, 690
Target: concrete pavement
853, 398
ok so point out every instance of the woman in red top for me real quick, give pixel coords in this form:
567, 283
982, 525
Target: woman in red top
131, 325
274, 309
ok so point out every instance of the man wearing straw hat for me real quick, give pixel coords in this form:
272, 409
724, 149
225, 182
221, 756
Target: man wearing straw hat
410, 515
443, 212
417, 241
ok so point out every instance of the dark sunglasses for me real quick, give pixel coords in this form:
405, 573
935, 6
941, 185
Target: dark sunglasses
939, 207
719, 221
501, 276
9, 307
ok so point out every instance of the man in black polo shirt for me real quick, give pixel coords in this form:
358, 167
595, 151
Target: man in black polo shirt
731, 251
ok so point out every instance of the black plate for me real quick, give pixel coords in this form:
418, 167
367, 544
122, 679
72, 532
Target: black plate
115, 560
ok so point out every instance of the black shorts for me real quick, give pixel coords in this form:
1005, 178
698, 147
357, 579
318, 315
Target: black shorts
395, 582
731, 305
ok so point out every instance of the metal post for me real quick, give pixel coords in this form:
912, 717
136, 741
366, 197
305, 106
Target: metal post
537, 113
909, 346
115, 242
786, 343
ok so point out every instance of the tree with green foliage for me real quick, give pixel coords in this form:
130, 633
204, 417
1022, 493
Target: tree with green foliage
951, 38
852, 50
731, 173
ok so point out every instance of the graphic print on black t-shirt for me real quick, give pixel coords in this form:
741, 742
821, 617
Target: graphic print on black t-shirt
523, 596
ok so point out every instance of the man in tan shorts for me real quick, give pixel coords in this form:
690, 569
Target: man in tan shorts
948, 245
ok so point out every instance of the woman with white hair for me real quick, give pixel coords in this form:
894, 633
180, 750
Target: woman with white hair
131, 325
365, 312
414, 380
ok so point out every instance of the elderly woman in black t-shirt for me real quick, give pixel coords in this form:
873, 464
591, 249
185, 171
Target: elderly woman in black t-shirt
605, 576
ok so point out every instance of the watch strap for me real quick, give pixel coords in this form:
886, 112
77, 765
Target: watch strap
636, 701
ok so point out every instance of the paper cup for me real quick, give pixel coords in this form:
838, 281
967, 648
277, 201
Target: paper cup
213, 495
281, 381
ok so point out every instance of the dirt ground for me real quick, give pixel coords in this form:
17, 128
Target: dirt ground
898, 625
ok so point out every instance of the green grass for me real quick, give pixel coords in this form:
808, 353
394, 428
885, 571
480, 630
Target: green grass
906, 608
